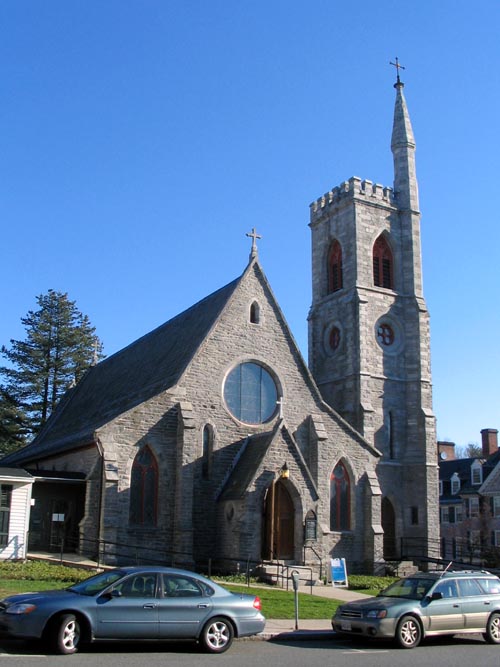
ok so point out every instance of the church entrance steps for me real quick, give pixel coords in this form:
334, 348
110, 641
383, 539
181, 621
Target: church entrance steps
280, 574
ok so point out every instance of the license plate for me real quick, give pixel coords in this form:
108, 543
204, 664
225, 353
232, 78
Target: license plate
346, 625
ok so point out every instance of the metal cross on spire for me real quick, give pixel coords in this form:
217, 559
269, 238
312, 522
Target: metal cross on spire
398, 67
254, 236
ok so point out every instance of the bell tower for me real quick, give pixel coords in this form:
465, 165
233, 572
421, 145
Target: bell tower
369, 339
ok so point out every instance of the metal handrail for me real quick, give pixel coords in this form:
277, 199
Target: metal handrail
309, 546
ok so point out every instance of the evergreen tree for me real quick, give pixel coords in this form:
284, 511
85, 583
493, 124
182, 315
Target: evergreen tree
60, 345
13, 424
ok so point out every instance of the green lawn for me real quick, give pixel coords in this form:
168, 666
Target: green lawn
276, 603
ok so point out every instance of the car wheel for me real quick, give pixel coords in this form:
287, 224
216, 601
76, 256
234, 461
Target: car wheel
217, 635
492, 634
408, 632
66, 634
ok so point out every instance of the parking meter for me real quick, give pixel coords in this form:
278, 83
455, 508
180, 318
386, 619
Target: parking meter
295, 580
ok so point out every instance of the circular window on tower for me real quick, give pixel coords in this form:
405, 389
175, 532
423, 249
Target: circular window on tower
385, 334
332, 339
250, 393
389, 334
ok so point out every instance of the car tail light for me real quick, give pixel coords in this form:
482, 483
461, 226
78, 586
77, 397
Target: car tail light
257, 604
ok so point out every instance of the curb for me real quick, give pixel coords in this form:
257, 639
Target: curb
296, 635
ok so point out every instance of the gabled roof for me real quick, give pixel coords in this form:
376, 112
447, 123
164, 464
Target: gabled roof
251, 456
145, 368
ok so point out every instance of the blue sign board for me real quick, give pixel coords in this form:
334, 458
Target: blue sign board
339, 572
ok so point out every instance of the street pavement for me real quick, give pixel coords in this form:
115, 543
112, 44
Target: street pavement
308, 628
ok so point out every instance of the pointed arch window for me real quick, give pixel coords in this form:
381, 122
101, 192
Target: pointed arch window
383, 268
335, 267
144, 489
255, 313
208, 447
340, 498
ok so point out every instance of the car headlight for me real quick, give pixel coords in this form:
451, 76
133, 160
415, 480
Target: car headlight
21, 608
376, 613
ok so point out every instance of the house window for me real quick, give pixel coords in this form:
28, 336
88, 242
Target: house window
455, 484
334, 267
476, 472
496, 533
208, 446
459, 513
472, 507
144, 489
5, 502
496, 506
382, 264
444, 515
340, 498
250, 393
440, 487
255, 313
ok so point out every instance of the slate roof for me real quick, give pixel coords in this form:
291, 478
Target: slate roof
145, 368
463, 469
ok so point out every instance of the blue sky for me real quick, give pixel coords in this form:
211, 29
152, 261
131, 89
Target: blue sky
141, 140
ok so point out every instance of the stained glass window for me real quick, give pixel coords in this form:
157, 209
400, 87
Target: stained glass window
340, 499
144, 489
250, 393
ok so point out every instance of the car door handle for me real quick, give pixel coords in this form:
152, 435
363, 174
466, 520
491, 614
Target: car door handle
456, 606
149, 606
487, 602
203, 606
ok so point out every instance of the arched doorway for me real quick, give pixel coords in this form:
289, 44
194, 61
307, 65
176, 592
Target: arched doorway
389, 527
278, 524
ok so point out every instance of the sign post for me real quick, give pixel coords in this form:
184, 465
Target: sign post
295, 582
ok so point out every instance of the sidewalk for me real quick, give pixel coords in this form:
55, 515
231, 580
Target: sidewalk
308, 628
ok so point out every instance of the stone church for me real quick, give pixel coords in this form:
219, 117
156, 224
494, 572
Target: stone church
211, 438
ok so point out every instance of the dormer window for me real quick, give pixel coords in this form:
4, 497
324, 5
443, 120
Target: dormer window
455, 484
476, 474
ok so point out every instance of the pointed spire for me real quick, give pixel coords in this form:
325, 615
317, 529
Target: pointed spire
403, 150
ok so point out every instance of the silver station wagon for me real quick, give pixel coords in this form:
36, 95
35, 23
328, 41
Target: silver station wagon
426, 605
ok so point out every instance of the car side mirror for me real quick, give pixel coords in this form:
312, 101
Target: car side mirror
115, 593
436, 596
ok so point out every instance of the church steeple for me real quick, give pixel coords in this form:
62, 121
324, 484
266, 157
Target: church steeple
403, 151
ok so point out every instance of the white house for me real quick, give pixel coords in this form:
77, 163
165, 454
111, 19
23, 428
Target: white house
15, 505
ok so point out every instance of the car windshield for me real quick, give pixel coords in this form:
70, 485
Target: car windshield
97, 584
413, 588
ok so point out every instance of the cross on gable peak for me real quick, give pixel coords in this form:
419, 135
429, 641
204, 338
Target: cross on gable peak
254, 236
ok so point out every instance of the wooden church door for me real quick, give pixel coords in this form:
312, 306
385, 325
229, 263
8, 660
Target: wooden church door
279, 519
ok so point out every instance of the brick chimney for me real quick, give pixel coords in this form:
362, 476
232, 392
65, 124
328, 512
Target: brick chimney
446, 450
489, 437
